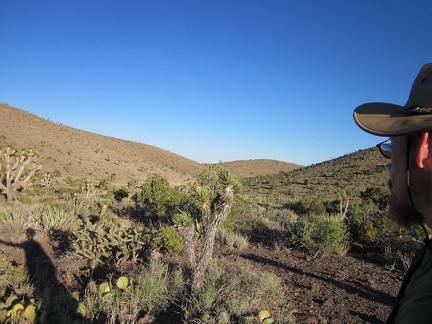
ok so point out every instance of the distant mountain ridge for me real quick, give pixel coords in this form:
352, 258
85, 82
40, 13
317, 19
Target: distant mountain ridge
81, 154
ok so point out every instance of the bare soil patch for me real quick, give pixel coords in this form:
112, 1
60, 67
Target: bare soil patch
331, 289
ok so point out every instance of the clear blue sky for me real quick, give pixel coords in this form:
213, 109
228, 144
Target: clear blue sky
214, 80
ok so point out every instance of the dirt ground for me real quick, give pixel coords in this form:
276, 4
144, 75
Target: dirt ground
331, 289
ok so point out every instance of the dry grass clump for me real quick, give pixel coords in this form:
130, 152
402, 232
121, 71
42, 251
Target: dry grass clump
232, 239
235, 292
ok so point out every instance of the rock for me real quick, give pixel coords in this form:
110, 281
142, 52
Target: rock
306, 319
328, 302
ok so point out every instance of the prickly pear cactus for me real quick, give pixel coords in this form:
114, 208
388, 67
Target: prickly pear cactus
30, 312
123, 283
104, 288
15, 310
262, 315
265, 317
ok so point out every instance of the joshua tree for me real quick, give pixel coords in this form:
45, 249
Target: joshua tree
16, 171
210, 202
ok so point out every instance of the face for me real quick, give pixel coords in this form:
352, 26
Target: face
401, 210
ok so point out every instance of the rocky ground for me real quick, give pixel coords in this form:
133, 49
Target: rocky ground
331, 289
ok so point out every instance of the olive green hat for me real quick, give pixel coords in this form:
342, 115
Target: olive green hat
386, 119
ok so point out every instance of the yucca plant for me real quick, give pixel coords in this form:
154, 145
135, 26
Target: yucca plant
51, 218
209, 204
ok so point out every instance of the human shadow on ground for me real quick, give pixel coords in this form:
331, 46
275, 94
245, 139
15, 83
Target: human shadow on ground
56, 303
366, 292
366, 318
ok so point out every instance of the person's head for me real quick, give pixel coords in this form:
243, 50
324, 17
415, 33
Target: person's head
30, 233
409, 148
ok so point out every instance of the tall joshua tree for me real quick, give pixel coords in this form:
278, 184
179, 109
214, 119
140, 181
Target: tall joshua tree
208, 206
16, 171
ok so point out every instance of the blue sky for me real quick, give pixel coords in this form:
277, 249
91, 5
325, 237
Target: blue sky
214, 80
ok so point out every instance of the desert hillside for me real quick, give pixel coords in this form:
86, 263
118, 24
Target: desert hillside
259, 167
81, 154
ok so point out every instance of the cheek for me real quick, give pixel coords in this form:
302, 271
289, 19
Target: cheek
421, 186
397, 182
389, 166
393, 178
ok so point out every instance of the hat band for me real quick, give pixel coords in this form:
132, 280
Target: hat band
415, 110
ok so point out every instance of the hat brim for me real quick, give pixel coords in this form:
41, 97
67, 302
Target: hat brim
385, 119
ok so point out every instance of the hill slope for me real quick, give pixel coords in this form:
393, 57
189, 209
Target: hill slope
351, 173
259, 167
81, 154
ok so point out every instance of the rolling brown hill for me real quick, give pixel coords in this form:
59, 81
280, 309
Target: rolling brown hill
259, 167
81, 154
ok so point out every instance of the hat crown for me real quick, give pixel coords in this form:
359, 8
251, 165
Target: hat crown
421, 91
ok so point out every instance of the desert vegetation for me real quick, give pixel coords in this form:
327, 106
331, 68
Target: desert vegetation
99, 253
217, 248
102, 253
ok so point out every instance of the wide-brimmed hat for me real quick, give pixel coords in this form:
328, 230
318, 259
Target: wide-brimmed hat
386, 119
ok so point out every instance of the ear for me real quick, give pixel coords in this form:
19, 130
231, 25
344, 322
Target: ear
424, 151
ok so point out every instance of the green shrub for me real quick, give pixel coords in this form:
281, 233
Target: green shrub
106, 182
308, 207
369, 225
120, 194
378, 195
168, 241
281, 218
331, 236
239, 215
158, 196
301, 234
321, 235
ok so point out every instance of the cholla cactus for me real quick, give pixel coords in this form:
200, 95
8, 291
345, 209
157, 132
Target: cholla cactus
101, 243
12, 175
